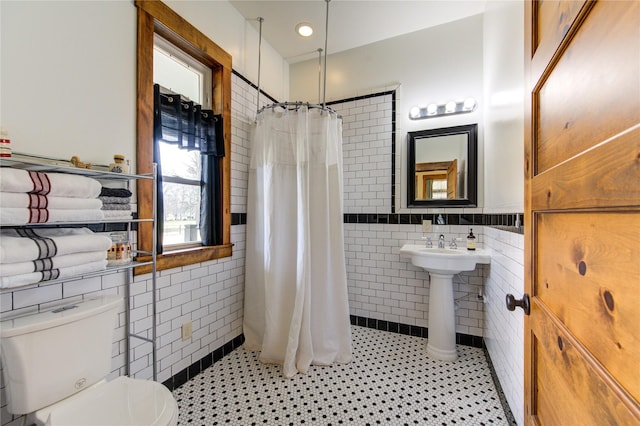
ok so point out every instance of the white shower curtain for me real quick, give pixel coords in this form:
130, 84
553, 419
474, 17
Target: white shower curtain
296, 310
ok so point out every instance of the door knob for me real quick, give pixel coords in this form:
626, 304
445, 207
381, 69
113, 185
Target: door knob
513, 303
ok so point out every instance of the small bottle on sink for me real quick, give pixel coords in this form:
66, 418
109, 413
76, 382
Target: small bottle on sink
471, 240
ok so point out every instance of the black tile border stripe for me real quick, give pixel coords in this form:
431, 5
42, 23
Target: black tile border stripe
412, 330
238, 218
505, 221
246, 80
205, 362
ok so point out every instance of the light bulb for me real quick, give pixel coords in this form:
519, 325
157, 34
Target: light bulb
414, 112
469, 104
432, 109
450, 107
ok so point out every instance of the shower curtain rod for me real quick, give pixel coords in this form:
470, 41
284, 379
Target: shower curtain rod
294, 106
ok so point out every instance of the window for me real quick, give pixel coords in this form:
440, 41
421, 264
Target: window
181, 170
155, 18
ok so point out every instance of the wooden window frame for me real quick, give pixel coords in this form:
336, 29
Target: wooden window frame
156, 17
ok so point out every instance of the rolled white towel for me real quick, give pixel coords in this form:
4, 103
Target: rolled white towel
55, 262
22, 245
36, 277
35, 201
24, 216
53, 184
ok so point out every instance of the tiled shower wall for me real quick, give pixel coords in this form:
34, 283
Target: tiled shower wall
209, 294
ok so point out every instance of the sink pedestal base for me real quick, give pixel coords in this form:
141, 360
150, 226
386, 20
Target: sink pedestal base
442, 320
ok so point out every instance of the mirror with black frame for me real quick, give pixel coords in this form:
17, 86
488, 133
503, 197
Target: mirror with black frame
442, 166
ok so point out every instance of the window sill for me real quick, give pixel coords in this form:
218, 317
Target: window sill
178, 258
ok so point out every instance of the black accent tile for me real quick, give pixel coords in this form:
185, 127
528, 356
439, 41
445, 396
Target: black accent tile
453, 219
466, 219
352, 319
180, 378
394, 327
415, 331
362, 321
393, 218
194, 369
218, 354
371, 323
227, 348
383, 218
238, 341
169, 383
383, 325
372, 218
206, 361
404, 219
362, 218
405, 329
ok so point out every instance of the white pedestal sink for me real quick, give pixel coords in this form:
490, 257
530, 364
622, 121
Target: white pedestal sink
442, 264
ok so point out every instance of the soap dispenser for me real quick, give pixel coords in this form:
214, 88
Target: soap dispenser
471, 240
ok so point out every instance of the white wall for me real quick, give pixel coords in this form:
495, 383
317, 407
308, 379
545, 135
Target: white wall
68, 78
504, 106
68, 72
223, 24
432, 65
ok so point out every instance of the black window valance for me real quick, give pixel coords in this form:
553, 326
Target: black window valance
184, 123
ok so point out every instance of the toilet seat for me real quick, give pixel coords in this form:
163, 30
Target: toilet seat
123, 401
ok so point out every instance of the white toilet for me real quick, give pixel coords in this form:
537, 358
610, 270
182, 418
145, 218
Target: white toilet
55, 363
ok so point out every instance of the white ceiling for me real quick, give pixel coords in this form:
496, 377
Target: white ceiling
352, 23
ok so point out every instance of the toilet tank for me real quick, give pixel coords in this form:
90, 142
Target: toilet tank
51, 354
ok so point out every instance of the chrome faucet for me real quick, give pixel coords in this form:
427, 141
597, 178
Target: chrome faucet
441, 241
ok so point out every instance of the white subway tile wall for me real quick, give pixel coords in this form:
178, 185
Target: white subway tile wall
504, 330
366, 150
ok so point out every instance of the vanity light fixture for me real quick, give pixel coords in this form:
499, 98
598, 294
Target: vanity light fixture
304, 29
438, 110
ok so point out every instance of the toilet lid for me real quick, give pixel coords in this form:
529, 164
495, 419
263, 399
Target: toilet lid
123, 401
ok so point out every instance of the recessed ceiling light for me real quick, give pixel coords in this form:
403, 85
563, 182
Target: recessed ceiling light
304, 29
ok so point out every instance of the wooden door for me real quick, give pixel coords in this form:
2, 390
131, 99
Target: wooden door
582, 212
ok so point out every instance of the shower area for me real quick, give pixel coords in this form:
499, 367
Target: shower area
296, 304
296, 310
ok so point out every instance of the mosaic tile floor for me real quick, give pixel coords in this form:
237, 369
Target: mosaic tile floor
390, 382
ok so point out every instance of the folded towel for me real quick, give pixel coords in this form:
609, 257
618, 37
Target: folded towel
48, 263
114, 192
111, 206
22, 245
53, 184
35, 201
115, 200
23, 216
52, 274
117, 214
